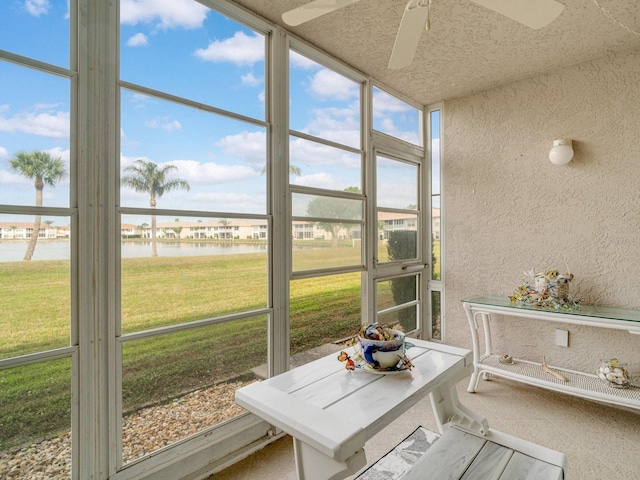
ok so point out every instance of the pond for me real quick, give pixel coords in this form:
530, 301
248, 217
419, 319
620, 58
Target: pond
14, 250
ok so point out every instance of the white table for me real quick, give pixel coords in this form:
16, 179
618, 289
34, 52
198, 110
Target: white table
331, 412
585, 385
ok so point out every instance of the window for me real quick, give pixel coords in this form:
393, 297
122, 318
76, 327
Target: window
436, 228
398, 297
38, 347
186, 240
327, 203
397, 278
194, 148
397, 118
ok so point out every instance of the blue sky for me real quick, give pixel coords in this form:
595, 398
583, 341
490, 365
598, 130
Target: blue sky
184, 49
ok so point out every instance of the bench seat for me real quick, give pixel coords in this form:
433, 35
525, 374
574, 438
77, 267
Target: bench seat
461, 455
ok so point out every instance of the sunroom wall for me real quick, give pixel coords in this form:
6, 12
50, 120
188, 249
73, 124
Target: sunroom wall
508, 209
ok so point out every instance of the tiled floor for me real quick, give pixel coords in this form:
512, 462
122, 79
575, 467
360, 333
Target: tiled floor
601, 442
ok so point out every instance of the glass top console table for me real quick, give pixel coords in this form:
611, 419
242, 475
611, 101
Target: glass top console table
479, 310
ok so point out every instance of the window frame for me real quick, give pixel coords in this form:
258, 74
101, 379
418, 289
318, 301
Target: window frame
96, 335
435, 286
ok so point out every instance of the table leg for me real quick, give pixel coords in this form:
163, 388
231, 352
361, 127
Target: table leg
313, 465
473, 325
448, 409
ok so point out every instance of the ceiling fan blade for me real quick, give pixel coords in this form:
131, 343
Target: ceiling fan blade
312, 10
532, 13
412, 25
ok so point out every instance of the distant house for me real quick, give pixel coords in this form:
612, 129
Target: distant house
24, 231
210, 230
235, 229
127, 230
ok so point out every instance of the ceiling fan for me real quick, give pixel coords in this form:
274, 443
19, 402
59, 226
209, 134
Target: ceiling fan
532, 13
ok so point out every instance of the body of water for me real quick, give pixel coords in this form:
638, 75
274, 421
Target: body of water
14, 250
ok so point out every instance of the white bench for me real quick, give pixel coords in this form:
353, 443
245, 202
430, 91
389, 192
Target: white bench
462, 455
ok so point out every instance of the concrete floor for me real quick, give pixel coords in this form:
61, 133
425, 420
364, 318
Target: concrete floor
601, 442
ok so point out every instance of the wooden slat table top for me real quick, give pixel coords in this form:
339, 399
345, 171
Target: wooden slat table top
310, 400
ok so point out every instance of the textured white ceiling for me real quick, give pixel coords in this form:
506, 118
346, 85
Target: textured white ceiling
468, 48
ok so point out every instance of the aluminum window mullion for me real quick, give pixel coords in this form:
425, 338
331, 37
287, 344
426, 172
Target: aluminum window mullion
95, 186
37, 357
279, 197
323, 141
397, 308
190, 103
323, 192
319, 272
127, 337
42, 211
38, 65
327, 220
160, 212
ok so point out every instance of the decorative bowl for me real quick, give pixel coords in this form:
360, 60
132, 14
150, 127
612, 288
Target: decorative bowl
382, 353
614, 373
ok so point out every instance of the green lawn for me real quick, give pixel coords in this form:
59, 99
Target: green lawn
35, 400
156, 292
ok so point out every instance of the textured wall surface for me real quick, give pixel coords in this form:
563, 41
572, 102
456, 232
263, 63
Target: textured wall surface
468, 48
507, 209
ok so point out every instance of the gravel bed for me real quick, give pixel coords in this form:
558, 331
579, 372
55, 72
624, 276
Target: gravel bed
143, 432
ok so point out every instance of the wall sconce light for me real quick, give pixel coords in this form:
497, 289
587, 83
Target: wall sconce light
562, 151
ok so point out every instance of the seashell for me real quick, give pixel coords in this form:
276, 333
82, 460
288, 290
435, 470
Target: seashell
614, 374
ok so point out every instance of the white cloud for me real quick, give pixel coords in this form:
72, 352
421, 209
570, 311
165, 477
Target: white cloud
227, 198
388, 109
201, 177
329, 84
8, 177
125, 141
383, 102
47, 124
387, 125
338, 124
138, 40
250, 146
37, 7
300, 61
126, 161
322, 155
319, 180
63, 153
164, 14
3, 152
211, 173
231, 202
250, 80
240, 49
163, 123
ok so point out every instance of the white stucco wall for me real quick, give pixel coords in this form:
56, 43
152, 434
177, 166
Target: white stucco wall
507, 209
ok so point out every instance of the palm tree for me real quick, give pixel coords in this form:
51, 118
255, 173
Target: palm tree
45, 169
148, 177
